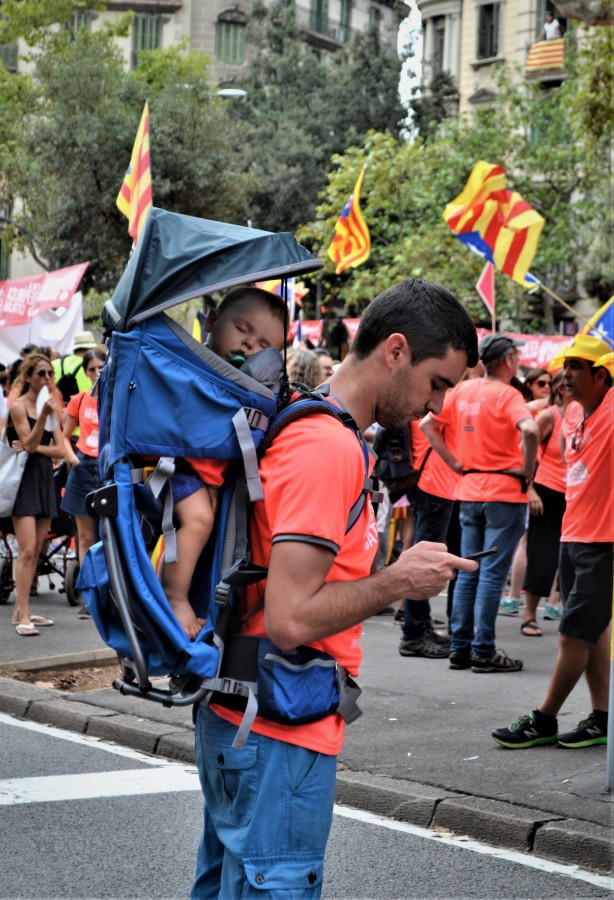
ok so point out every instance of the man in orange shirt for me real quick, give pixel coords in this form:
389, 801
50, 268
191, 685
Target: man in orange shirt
495, 451
268, 807
586, 557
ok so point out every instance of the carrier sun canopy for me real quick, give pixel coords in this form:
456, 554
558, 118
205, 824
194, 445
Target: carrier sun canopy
181, 257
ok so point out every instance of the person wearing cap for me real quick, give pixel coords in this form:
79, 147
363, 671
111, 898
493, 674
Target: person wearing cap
488, 417
586, 556
73, 363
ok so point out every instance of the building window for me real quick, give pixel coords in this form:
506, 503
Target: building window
488, 30
230, 42
344, 21
8, 56
440, 38
375, 15
79, 20
318, 16
146, 35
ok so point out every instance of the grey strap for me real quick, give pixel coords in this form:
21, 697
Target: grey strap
248, 451
349, 692
161, 475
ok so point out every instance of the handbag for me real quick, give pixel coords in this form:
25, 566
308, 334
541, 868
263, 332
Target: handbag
12, 465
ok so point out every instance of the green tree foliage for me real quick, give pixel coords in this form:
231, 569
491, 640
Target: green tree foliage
432, 106
301, 110
73, 138
535, 135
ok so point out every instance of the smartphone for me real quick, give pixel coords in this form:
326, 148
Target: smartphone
483, 553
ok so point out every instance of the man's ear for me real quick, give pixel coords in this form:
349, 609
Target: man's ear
396, 350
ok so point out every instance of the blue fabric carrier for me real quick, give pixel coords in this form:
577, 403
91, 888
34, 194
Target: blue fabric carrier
164, 395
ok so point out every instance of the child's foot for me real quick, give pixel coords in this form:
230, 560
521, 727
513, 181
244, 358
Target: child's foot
187, 617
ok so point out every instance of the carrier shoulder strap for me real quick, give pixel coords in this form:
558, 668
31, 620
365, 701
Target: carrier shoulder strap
318, 402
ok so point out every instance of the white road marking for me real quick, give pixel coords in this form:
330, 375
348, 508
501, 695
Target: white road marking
169, 776
523, 859
93, 743
92, 785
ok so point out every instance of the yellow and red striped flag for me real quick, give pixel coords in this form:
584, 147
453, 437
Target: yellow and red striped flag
546, 55
135, 196
495, 223
351, 244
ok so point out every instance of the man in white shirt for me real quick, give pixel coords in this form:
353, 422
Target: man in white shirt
551, 28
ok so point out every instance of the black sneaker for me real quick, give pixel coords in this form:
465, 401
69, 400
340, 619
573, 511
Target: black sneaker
444, 640
498, 662
460, 659
589, 733
84, 613
399, 617
423, 647
526, 732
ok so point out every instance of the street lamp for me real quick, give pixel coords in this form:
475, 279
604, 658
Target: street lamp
230, 93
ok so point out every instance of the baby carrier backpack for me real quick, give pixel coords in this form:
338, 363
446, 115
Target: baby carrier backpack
164, 397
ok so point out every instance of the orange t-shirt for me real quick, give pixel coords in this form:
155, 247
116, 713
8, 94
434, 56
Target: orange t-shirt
311, 476
84, 408
589, 515
551, 470
211, 471
485, 415
419, 445
438, 478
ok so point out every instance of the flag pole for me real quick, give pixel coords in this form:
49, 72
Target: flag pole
571, 309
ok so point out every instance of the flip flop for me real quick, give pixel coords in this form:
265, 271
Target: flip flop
530, 628
26, 630
39, 621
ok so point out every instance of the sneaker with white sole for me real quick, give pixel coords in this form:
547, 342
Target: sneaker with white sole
552, 613
588, 733
528, 731
509, 606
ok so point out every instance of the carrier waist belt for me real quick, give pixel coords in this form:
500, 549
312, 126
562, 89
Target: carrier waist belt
523, 481
296, 687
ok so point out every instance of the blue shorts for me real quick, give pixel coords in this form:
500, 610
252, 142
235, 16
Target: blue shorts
268, 812
82, 480
184, 484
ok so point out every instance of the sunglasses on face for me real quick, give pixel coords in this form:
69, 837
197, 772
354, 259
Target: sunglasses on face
542, 383
42, 372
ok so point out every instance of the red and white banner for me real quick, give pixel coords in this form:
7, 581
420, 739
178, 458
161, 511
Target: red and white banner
537, 352
24, 298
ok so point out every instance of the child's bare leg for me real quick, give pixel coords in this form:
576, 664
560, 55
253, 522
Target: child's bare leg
195, 518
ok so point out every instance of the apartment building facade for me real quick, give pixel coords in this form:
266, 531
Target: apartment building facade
467, 38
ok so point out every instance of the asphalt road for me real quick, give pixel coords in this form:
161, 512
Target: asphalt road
86, 819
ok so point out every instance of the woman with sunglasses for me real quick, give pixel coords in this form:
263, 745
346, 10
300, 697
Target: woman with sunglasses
536, 389
35, 505
82, 411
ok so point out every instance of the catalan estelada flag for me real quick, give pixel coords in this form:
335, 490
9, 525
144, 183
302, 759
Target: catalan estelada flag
546, 55
135, 196
495, 223
351, 244
601, 325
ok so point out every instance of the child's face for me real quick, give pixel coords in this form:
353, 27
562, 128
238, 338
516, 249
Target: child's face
246, 327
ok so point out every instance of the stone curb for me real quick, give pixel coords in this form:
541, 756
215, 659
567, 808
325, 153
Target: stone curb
570, 841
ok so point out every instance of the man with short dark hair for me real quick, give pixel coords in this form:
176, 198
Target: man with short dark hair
268, 807
586, 558
488, 416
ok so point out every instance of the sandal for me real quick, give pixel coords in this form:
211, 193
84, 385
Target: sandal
26, 630
39, 621
530, 628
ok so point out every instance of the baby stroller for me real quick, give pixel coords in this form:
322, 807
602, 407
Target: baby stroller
158, 397
58, 556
